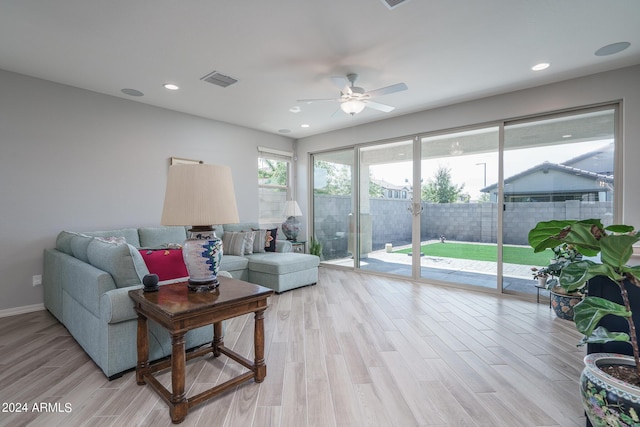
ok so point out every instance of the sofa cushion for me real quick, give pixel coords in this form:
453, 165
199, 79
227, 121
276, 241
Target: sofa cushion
130, 235
121, 260
168, 264
282, 263
237, 242
161, 237
233, 262
63, 241
79, 244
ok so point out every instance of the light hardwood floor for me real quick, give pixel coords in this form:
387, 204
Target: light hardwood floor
353, 350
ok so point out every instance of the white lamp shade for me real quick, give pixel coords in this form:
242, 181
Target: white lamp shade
199, 195
291, 208
352, 107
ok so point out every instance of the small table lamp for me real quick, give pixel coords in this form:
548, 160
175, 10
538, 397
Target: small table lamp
199, 196
291, 227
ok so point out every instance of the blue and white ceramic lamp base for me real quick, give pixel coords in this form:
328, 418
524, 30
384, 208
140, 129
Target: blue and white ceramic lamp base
202, 253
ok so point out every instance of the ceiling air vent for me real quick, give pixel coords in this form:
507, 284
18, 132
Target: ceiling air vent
219, 79
391, 4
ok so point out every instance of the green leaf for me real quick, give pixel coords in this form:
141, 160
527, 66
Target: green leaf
619, 228
581, 236
589, 311
545, 234
549, 234
617, 248
601, 335
575, 274
635, 270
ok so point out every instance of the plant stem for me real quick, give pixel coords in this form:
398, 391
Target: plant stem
632, 326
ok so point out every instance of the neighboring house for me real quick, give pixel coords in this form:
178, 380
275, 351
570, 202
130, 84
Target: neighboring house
587, 177
394, 191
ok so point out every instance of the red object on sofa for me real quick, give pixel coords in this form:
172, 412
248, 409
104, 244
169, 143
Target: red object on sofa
168, 264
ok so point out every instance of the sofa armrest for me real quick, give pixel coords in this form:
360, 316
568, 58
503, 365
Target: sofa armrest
116, 306
83, 282
283, 246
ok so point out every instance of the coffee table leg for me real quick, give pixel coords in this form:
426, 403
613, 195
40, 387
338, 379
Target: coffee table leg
218, 339
258, 343
143, 350
178, 408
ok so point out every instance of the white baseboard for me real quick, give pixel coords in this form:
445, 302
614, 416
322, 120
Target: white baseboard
21, 310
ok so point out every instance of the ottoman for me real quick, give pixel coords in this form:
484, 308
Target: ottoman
283, 271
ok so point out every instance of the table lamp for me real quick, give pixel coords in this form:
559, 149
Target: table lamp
291, 226
200, 196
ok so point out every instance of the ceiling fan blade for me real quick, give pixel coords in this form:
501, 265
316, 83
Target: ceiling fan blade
336, 113
341, 83
399, 87
309, 101
378, 106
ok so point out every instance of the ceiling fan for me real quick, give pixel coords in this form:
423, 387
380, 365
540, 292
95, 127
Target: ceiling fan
353, 99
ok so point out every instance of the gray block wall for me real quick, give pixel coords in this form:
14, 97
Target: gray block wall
470, 222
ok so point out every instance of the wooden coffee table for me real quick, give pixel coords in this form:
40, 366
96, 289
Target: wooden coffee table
179, 310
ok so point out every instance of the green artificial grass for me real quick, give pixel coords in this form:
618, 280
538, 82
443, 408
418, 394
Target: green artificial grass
484, 252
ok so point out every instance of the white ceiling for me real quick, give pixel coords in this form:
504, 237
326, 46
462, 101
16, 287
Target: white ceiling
284, 50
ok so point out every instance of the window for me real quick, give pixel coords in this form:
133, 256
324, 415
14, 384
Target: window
274, 183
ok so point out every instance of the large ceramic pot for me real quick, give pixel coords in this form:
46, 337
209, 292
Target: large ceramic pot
608, 401
563, 304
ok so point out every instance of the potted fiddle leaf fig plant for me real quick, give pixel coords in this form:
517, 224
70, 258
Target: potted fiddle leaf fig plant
610, 383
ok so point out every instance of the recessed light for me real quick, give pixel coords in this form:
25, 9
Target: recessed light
611, 49
171, 86
132, 92
567, 136
540, 66
304, 126
284, 130
295, 109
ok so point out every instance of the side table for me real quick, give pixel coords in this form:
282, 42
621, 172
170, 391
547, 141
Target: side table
299, 246
178, 309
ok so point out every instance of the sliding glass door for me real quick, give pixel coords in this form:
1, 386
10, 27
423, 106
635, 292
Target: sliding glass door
334, 206
456, 207
386, 191
557, 167
458, 224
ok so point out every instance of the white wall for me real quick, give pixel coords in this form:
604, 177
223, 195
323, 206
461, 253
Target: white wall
72, 159
622, 84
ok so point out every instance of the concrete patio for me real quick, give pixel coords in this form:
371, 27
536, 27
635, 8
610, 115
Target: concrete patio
516, 277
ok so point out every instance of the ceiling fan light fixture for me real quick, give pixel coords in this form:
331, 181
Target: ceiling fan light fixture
352, 106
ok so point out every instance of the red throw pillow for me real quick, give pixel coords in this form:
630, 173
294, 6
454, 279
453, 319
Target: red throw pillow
168, 264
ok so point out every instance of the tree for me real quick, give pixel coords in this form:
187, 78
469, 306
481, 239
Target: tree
441, 189
484, 198
335, 179
375, 189
272, 172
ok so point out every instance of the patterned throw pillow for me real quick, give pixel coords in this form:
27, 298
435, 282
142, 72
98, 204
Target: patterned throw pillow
260, 240
270, 240
249, 237
238, 242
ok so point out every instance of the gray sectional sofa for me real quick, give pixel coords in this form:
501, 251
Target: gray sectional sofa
87, 277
